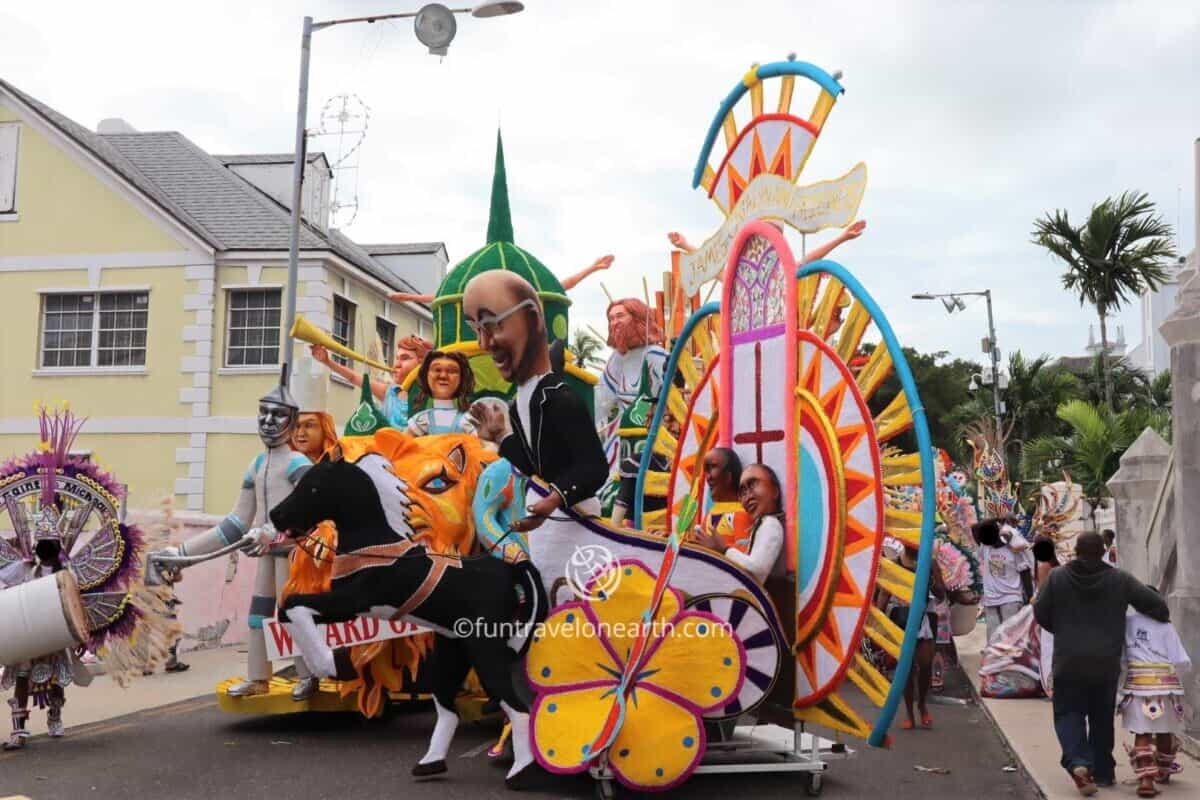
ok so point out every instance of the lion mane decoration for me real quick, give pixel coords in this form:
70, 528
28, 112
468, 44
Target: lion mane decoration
441, 491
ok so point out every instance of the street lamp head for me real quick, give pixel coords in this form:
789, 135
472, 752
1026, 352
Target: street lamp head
923, 296
435, 27
497, 8
973, 386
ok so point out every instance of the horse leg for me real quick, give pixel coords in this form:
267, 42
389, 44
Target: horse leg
317, 655
300, 613
450, 665
492, 660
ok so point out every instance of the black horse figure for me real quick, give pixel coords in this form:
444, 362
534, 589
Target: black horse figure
380, 571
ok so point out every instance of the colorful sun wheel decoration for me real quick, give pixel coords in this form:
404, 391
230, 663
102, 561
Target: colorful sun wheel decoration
786, 369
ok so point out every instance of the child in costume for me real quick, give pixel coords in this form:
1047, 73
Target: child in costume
1151, 703
448, 379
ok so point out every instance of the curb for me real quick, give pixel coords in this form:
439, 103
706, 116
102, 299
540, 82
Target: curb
977, 699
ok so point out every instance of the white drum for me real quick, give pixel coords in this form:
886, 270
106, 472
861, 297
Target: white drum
40, 617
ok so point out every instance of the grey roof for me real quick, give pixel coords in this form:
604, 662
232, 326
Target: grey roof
230, 207
353, 252
1082, 365
411, 248
266, 158
198, 190
100, 147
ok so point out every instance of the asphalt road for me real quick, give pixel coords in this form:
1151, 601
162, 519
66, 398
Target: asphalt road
193, 751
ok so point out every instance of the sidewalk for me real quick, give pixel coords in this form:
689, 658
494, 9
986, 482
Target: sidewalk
1028, 725
105, 700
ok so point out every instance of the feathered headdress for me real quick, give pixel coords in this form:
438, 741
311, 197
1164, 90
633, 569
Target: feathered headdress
59, 429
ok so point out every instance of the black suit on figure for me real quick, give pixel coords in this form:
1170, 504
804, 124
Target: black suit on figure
563, 447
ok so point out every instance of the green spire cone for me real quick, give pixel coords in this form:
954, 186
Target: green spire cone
500, 219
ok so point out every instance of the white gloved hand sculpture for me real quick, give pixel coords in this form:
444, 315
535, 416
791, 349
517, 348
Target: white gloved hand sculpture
259, 539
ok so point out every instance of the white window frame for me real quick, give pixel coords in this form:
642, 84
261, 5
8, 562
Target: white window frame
10, 214
353, 332
93, 367
227, 368
389, 355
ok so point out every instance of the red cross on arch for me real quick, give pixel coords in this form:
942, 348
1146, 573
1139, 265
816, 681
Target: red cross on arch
759, 436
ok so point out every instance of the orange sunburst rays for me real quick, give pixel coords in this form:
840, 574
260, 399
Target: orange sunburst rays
778, 162
830, 396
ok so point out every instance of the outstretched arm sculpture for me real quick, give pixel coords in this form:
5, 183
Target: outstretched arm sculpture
852, 232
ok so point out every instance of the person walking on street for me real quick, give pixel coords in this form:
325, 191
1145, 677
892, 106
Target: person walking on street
1084, 604
1001, 560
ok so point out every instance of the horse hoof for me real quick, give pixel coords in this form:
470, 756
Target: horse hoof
432, 768
532, 777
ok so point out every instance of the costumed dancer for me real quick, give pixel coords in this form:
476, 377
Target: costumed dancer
448, 379
268, 480
44, 678
1151, 703
100, 604
410, 351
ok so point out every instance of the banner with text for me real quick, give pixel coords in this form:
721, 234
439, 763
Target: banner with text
363, 630
808, 209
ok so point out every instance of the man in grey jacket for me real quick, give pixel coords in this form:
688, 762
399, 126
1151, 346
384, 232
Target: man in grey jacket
1083, 604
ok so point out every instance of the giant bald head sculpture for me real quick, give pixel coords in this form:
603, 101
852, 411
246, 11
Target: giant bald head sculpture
504, 311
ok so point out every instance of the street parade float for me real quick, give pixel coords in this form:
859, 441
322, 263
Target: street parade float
630, 648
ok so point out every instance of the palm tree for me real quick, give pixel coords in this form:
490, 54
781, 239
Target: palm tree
1160, 391
1091, 452
587, 348
1035, 391
1127, 385
1112, 258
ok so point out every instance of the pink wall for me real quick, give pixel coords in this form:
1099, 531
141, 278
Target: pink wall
212, 594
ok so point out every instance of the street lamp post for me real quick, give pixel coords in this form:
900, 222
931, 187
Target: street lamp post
435, 28
955, 303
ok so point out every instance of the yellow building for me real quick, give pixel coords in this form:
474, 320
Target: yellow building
143, 280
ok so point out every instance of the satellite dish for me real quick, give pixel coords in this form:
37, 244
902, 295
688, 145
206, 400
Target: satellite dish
435, 28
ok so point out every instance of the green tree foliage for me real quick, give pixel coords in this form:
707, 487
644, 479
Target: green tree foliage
1121, 250
1091, 450
942, 384
587, 348
1160, 391
1129, 385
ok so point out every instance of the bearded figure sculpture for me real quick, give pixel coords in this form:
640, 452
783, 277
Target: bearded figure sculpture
634, 373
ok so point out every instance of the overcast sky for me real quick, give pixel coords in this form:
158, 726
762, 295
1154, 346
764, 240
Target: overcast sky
973, 118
